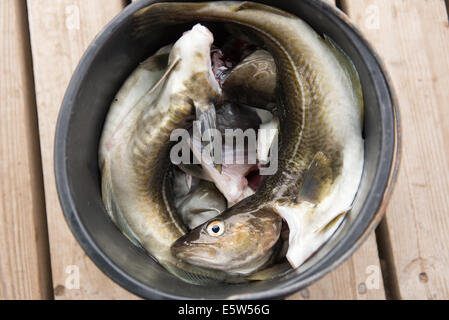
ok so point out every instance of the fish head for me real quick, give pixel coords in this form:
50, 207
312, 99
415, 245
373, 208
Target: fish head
191, 54
238, 241
191, 77
194, 42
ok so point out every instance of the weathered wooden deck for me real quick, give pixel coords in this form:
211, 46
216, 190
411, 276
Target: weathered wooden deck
41, 42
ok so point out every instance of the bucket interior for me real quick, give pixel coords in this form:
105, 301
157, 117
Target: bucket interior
100, 75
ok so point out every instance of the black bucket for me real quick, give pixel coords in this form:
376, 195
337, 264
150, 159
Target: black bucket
109, 60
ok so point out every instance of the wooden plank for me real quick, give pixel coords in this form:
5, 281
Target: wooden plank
358, 278
24, 262
60, 32
413, 39
353, 279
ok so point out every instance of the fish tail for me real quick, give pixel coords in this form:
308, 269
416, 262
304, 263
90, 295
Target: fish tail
317, 180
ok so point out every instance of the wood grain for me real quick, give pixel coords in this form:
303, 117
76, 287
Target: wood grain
24, 257
60, 33
412, 37
358, 278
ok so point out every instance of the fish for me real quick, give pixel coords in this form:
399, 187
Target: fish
321, 149
260, 67
231, 179
196, 201
135, 144
243, 235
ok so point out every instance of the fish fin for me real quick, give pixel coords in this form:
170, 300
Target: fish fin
193, 278
159, 60
206, 115
274, 271
256, 6
195, 170
349, 69
265, 113
333, 222
309, 229
199, 276
170, 68
156, 62
317, 180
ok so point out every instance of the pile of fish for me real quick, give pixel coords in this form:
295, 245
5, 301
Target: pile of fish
218, 221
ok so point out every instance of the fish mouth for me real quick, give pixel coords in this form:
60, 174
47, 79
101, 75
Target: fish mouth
197, 254
183, 246
201, 254
204, 256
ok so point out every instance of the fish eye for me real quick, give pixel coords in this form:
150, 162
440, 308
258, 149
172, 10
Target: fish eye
215, 228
